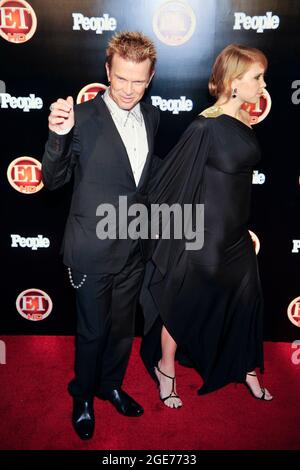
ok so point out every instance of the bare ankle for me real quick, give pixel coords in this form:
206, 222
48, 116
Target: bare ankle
168, 366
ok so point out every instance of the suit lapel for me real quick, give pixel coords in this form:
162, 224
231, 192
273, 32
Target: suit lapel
150, 132
103, 114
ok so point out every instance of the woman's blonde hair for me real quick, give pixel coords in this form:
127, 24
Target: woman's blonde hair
232, 62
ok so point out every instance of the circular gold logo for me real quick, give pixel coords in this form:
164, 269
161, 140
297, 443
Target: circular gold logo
174, 22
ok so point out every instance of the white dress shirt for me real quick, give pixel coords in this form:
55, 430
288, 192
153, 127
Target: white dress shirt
132, 130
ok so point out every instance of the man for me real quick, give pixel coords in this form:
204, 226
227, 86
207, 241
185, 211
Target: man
107, 144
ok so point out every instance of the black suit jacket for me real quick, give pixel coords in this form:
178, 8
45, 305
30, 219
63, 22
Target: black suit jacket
95, 153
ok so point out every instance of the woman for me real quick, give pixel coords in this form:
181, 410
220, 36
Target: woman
209, 301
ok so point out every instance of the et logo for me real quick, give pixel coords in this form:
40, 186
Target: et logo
259, 110
174, 22
17, 21
293, 311
34, 304
25, 175
89, 92
255, 241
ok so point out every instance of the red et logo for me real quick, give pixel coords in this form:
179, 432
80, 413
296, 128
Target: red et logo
255, 240
34, 304
89, 92
25, 175
293, 311
259, 110
17, 21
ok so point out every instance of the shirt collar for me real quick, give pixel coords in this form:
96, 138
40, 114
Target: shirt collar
121, 114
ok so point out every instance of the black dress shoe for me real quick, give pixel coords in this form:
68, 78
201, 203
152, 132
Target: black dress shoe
83, 419
123, 403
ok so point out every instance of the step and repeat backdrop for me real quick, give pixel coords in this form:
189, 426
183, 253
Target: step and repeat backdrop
56, 48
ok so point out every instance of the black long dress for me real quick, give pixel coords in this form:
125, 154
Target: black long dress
209, 300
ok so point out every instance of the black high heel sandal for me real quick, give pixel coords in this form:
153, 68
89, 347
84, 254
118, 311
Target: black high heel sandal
173, 394
263, 395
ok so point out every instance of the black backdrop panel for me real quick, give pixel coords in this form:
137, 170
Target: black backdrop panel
58, 61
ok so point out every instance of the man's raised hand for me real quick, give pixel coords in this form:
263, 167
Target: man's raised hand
61, 117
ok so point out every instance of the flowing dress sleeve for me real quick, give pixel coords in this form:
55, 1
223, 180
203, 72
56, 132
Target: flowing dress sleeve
178, 180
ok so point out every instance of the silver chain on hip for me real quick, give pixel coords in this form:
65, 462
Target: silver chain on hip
72, 282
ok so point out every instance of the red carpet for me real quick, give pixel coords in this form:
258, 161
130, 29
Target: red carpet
36, 408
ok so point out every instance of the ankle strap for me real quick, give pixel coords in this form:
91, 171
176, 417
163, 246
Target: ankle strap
252, 375
161, 372
172, 394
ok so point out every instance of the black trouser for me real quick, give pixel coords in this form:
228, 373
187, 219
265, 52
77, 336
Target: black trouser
106, 307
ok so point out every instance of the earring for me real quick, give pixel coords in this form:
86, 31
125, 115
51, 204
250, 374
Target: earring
234, 93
